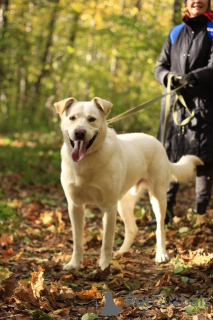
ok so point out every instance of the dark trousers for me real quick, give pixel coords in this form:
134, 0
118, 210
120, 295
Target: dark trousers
204, 180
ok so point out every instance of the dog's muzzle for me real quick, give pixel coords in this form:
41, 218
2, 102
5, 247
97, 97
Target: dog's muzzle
80, 146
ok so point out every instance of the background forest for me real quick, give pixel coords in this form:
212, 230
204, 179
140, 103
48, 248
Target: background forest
50, 50
53, 49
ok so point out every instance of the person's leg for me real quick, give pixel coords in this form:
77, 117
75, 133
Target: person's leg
203, 187
171, 196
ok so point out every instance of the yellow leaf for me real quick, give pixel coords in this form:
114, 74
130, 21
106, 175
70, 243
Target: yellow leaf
4, 273
89, 294
61, 223
46, 218
37, 282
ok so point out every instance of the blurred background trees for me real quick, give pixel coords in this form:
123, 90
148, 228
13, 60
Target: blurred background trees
53, 49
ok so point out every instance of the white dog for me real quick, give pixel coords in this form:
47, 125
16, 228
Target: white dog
100, 167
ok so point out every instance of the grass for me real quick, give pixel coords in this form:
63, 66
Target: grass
33, 155
27, 160
9, 219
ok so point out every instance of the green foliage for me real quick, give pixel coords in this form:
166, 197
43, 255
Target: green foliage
38, 314
33, 156
6, 212
194, 309
179, 265
9, 218
167, 290
4, 273
183, 230
55, 49
89, 316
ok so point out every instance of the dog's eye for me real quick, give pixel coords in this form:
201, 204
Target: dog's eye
91, 119
73, 118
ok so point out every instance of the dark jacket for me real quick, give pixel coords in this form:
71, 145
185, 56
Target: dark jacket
191, 52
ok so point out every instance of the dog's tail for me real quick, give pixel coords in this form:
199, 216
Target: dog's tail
184, 168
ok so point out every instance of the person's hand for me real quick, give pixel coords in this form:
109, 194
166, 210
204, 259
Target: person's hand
175, 81
188, 79
178, 81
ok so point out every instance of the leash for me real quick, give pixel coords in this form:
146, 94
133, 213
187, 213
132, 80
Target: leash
168, 94
174, 107
141, 106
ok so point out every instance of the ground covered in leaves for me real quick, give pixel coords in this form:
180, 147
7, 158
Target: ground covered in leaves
36, 242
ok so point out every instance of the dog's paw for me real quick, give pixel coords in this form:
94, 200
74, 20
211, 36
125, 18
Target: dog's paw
104, 263
123, 249
71, 266
161, 257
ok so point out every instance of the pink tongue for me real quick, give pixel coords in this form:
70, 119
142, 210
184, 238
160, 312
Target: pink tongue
79, 151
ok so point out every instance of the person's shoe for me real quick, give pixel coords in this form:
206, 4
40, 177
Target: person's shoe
200, 208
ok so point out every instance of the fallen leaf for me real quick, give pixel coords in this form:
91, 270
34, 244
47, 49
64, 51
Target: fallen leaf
89, 316
100, 274
66, 293
116, 265
46, 218
183, 230
5, 240
62, 312
164, 280
7, 253
7, 286
199, 317
17, 257
37, 282
67, 278
89, 294
61, 224
24, 295
120, 302
38, 314
14, 204
4, 273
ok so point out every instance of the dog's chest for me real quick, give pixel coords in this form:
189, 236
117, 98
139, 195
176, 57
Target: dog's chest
86, 193
84, 188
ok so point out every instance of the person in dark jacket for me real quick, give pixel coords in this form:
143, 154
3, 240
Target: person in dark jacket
190, 59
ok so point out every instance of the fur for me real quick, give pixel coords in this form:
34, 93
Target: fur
108, 170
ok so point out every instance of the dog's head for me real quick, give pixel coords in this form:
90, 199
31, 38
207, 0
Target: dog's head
83, 124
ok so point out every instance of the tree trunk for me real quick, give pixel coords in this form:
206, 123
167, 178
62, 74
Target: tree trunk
177, 16
45, 56
3, 18
3, 27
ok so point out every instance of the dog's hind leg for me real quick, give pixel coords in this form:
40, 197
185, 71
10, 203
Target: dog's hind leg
126, 210
158, 201
76, 214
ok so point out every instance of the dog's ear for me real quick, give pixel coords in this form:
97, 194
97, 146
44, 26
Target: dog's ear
62, 105
102, 104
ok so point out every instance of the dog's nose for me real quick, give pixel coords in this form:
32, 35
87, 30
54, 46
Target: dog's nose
80, 134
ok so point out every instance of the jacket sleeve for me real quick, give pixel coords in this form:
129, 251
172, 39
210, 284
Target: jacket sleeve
163, 64
204, 75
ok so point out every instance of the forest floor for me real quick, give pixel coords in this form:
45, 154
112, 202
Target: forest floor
36, 241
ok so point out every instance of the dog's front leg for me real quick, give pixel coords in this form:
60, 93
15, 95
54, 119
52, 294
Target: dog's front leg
109, 222
76, 214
